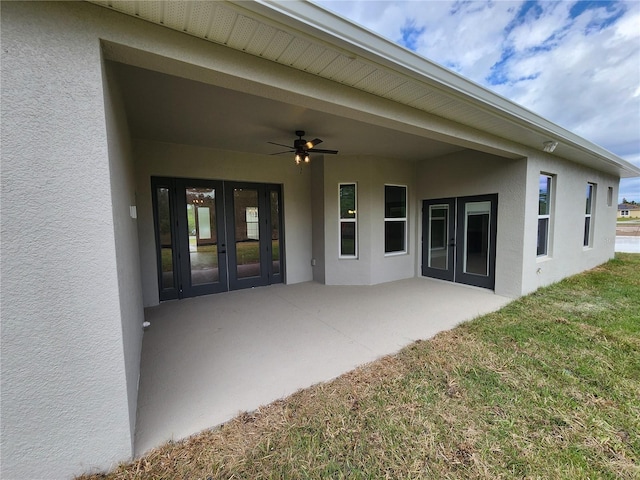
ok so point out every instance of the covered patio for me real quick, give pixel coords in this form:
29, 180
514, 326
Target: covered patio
205, 359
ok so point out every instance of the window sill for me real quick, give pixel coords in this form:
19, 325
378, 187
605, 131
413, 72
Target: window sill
395, 254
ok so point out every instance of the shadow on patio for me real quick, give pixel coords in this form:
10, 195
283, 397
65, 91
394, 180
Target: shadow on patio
206, 359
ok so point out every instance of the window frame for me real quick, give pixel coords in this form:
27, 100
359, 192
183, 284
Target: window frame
545, 216
587, 239
353, 220
404, 220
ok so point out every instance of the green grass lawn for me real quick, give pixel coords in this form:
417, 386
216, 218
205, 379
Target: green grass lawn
548, 387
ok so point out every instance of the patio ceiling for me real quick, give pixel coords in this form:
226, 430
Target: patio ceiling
305, 37
166, 108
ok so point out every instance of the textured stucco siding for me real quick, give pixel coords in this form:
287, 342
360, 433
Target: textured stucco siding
475, 173
77, 269
64, 396
121, 172
518, 269
370, 174
318, 221
567, 256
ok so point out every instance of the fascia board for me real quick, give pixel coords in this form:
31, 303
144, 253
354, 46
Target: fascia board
349, 37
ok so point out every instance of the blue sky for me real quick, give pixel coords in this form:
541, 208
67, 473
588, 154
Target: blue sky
576, 63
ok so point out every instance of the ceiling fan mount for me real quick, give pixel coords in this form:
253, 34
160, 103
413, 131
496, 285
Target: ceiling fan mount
302, 148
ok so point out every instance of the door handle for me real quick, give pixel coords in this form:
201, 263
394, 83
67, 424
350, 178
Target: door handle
452, 242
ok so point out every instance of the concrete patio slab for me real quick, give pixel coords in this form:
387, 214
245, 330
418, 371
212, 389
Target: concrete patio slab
206, 359
628, 244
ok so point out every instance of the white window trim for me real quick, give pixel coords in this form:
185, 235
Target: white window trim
548, 216
546, 254
348, 220
589, 215
404, 219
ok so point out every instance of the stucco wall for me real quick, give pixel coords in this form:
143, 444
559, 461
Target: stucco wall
387, 268
171, 160
475, 173
317, 213
123, 197
70, 304
567, 254
370, 174
64, 392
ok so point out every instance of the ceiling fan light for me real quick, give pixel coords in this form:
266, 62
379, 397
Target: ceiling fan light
306, 158
309, 145
298, 159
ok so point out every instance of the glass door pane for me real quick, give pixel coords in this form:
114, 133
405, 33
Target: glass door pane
165, 238
477, 240
214, 236
438, 237
202, 234
247, 232
459, 239
274, 200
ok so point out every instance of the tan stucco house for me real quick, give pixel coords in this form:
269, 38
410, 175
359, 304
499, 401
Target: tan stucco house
137, 167
628, 210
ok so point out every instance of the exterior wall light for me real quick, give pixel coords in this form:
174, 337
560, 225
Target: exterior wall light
549, 146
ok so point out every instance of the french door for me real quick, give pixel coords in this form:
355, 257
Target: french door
214, 236
459, 239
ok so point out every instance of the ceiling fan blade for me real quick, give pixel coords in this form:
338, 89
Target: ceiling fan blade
320, 150
280, 145
313, 143
280, 153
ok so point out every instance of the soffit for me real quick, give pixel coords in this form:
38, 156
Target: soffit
305, 37
216, 117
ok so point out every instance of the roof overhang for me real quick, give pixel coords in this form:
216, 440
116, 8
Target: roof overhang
304, 36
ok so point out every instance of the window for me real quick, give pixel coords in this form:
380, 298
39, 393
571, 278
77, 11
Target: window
591, 193
348, 221
610, 197
624, 213
544, 214
395, 219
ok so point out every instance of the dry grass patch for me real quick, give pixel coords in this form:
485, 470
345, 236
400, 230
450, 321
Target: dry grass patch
547, 387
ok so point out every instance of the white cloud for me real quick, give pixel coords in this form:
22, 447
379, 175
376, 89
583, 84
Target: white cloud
579, 71
586, 82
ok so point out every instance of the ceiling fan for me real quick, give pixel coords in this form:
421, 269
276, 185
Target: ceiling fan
302, 148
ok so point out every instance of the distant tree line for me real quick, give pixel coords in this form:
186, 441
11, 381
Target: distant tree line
632, 202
